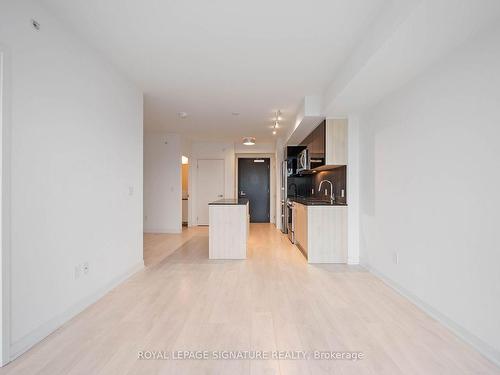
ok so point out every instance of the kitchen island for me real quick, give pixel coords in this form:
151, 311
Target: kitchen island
228, 229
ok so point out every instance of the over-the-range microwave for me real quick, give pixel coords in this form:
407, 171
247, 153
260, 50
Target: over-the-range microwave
303, 162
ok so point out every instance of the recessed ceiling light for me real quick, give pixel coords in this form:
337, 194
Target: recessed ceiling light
274, 132
182, 114
249, 141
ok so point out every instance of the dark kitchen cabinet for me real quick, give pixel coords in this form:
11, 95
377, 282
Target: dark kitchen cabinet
327, 144
318, 143
315, 143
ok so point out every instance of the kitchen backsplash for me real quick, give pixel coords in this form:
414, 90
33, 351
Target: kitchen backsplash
304, 185
299, 186
338, 177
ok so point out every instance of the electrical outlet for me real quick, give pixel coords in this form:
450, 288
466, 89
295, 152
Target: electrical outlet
85, 268
130, 190
395, 258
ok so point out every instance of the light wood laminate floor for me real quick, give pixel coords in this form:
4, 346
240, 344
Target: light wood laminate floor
272, 301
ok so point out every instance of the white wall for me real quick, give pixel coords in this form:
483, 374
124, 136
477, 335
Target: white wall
429, 190
76, 173
4, 203
353, 190
162, 183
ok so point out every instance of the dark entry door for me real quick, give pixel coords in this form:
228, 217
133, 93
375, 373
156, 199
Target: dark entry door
254, 184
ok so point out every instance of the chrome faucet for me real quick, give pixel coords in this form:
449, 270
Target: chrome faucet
332, 196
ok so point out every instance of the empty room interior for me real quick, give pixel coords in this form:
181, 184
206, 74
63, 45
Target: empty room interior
250, 187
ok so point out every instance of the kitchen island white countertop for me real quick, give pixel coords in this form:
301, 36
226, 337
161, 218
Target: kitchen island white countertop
228, 228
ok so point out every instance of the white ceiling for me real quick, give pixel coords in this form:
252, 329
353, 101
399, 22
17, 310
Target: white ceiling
407, 40
211, 58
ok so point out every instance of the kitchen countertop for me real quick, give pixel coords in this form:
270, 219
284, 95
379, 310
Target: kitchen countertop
230, 201
316, 202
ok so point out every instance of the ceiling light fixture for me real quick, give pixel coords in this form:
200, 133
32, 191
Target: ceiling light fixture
277, 119
235, 113
182, 115
249, 141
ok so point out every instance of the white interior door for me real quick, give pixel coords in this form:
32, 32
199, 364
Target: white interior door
210, 186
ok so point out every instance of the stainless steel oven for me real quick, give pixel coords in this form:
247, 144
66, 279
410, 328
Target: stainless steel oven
290, 207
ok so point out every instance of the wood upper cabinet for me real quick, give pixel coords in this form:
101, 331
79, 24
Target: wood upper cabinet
336, 142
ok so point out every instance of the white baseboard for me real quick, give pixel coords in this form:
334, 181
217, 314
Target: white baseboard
482, 347
24, 344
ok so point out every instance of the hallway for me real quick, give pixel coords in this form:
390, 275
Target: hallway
272, 301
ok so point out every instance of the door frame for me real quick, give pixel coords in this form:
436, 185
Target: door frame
197, 186
272, 179
188, 172
5, 145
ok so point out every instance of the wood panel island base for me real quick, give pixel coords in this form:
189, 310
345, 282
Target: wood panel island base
228, 229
